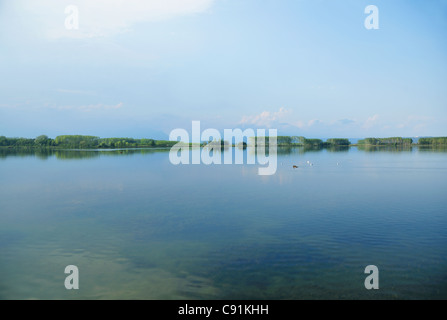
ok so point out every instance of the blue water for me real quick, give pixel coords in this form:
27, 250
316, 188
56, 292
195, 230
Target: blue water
138, 227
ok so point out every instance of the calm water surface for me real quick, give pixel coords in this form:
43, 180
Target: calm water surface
139, 227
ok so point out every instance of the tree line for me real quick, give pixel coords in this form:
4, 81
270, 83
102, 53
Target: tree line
394, 141
301, 141
93, 142
84, 142
433, 141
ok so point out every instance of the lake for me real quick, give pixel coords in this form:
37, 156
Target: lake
138, 227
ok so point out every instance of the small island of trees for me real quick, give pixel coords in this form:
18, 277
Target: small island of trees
433, 141
398, 141
395, 141
300, 141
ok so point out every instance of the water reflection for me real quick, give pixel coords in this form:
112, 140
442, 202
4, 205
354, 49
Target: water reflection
386, 148
141, 228
433, 148
45, 153
25, 152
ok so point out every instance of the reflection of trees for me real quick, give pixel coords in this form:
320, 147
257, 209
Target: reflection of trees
300, 150
41, 153
434, 148
264, 150
74, 154
369, 148
309, 149
45, 153
88, 154
217, 144
338, 149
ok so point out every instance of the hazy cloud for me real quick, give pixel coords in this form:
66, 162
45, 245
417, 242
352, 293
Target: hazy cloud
313, 122
80, 92
346, 121
102, 18
371, 121
415, 123
265, 118
92, 107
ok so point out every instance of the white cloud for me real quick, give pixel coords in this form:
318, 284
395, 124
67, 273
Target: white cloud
77, 92
101, 107
101, 18
8, 106
346, 121
371, 121
313, 122
92, 107
265, 118
415, 123
299, 124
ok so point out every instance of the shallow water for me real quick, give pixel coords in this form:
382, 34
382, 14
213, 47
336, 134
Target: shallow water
138, 227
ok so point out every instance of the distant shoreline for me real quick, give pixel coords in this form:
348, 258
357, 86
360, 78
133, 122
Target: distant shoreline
80, 142
225, 147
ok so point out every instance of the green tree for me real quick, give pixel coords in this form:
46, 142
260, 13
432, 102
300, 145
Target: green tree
338, 142
42, 140
3, 141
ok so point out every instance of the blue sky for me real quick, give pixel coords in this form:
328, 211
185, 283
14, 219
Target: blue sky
140, 68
